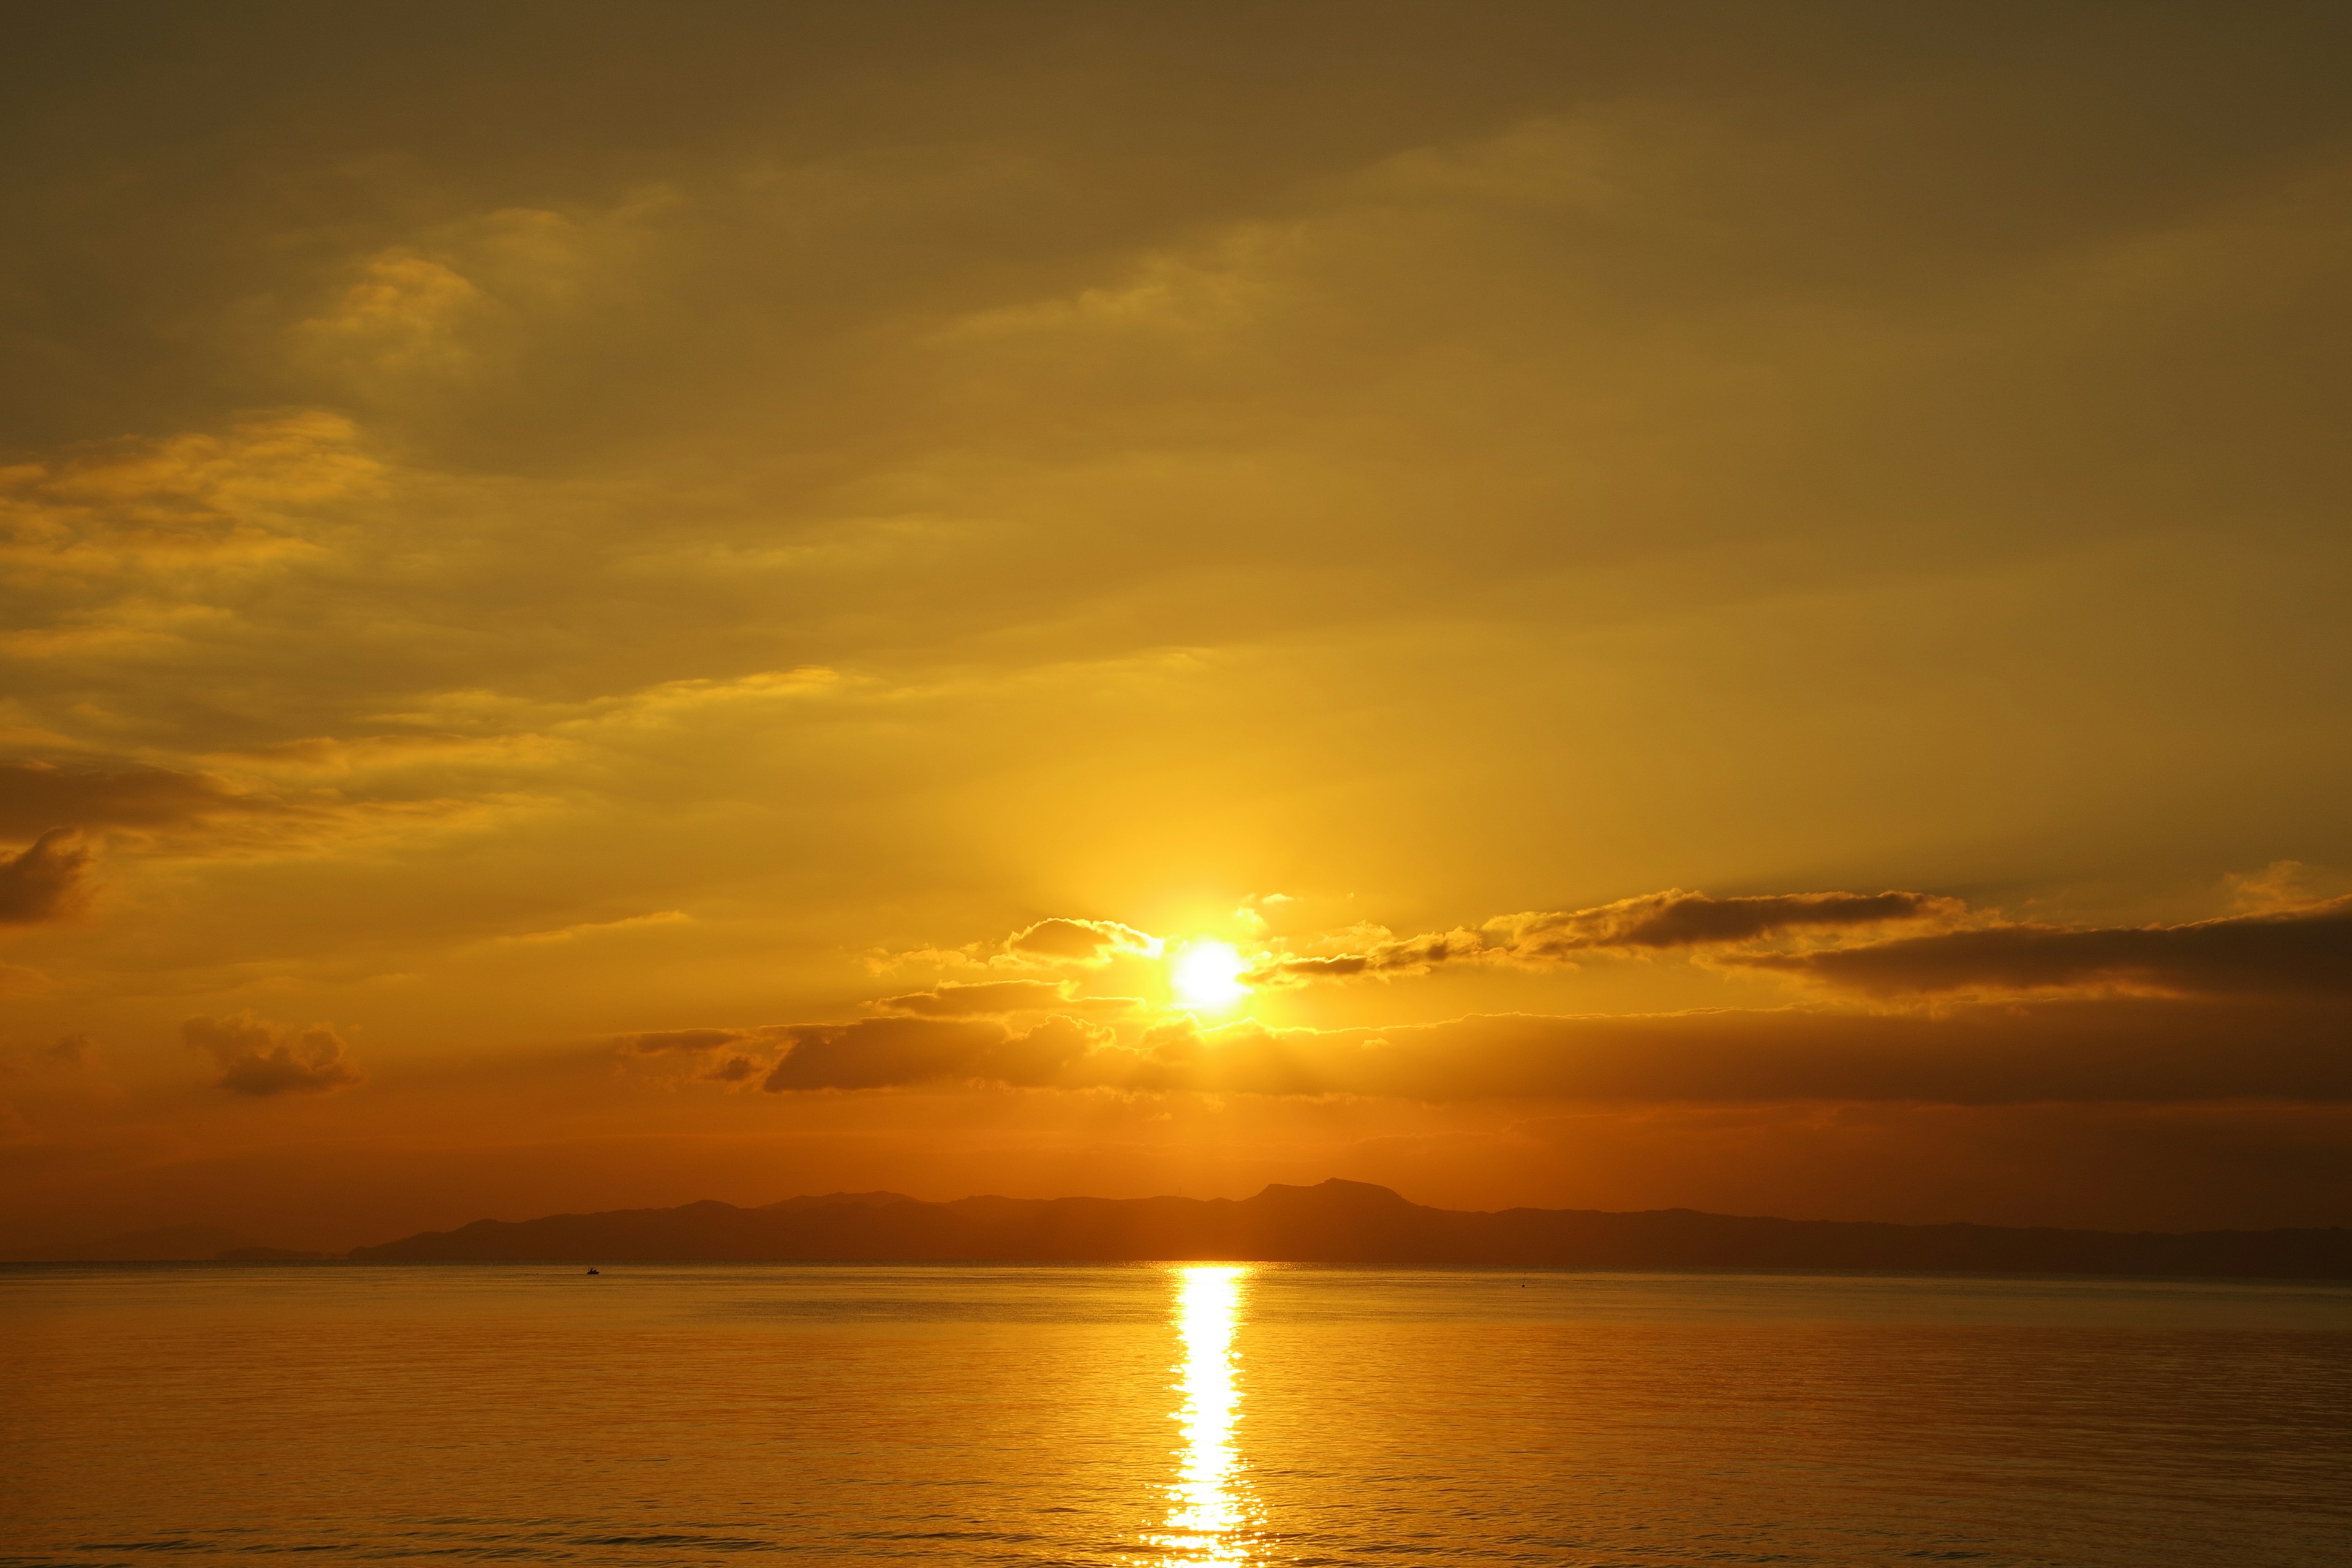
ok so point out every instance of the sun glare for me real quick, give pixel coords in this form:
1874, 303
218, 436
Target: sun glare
1206, 975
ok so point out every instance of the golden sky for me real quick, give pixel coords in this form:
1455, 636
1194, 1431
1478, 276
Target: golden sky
1608, 607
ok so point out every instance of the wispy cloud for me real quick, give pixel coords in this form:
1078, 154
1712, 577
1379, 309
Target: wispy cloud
1652, 922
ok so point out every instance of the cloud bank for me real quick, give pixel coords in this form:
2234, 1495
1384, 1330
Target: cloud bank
2109, 1049
2247, 1005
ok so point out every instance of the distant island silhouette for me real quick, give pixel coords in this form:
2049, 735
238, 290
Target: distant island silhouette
1348, 1222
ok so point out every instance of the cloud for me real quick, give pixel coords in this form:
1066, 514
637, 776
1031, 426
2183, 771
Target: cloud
951, 1000
405, 314
1082, 941
1650, 923
2112, 1049
1676, 918
189, 811
882, 1053
709, 1056
681, 1042
42, 883
259, 1057
2244, 1006
2281, 885
37, 795
67, 1053
233, 499
2108, 1049
2305, 952
626, 924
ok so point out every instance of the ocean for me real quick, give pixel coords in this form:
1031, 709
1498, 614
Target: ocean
1140, 1413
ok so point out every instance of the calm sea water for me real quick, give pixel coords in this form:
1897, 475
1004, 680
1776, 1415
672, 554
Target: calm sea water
681, 1414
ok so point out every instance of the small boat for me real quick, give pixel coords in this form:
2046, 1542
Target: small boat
594, 1271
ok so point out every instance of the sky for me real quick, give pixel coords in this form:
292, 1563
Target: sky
1582, 605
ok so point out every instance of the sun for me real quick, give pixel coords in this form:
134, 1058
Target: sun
1205, 974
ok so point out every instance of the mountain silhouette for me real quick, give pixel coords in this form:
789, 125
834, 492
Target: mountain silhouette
1348, 1222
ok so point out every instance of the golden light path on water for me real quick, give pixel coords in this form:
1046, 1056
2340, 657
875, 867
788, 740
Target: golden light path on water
1211, 1516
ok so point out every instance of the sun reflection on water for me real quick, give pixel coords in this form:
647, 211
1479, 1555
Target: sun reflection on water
1211, 1516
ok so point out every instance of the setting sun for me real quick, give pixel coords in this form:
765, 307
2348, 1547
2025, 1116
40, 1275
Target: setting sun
1206, 975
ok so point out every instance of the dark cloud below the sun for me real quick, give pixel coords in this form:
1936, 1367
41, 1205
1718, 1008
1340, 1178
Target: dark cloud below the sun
2116, 1049
882, 1053
2122, 1048
953, 1000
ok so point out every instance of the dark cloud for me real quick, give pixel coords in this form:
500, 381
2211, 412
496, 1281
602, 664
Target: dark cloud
259, 1057
37, 795
2292, 952
1651, 923
1090, 942
192, 811
1677, 919
1406, 955
882, 1053
43, 881
2112, 1049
